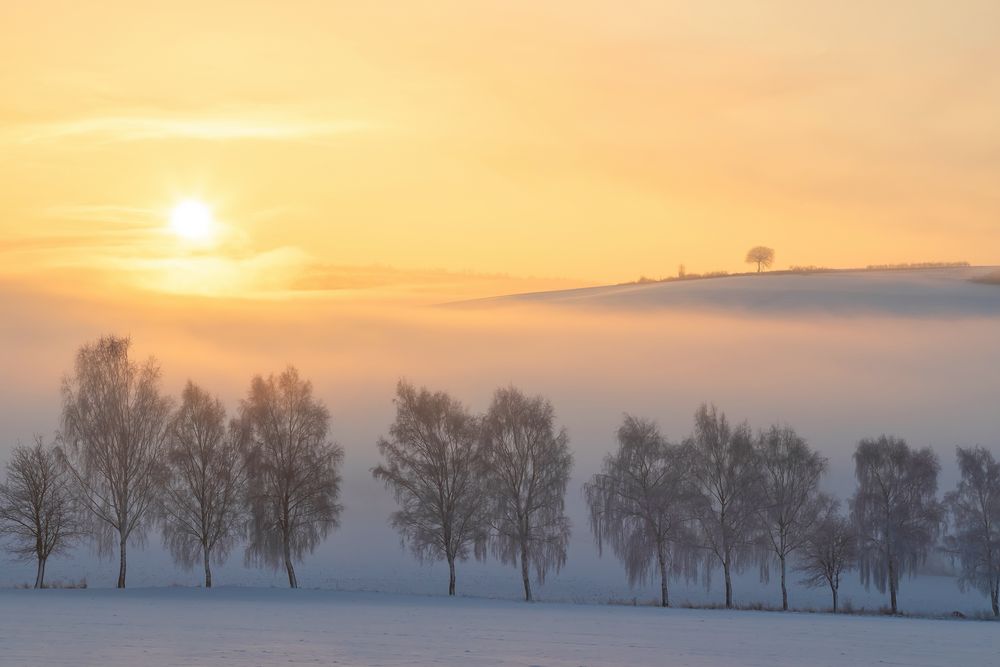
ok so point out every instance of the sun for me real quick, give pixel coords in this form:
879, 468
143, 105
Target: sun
192, 220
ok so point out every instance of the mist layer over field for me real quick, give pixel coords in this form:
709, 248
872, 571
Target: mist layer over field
835, 374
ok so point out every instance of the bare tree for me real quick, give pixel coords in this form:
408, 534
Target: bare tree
640, 503
789, 497
762, 256
830, 550
37, 512
725, 474
529, 465
114, 431
202, 500
894, 509
975, 512
434, 464
293, 471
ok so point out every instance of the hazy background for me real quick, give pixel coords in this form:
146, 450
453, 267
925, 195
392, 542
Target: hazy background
931, 380
365, 161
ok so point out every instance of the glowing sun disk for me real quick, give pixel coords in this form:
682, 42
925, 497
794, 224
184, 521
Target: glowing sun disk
192, 220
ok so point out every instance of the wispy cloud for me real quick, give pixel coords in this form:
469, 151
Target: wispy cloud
142, 127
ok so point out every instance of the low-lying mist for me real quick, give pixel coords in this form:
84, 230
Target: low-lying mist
932, 381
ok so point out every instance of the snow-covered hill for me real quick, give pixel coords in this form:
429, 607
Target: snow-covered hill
938, 292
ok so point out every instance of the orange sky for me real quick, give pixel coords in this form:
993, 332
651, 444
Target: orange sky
418, 145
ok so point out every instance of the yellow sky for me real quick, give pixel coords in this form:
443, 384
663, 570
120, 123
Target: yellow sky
497, 145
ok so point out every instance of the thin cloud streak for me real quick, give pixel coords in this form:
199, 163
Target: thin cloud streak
127, 128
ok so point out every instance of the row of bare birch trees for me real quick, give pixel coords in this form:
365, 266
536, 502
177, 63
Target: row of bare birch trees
728, 498
127, 459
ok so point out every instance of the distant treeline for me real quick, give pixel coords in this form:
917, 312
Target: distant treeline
800, 269
128, 459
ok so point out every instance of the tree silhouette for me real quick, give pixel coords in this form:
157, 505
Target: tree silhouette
762, 256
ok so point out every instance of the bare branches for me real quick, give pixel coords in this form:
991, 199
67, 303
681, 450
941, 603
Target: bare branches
788, 496
975, 510
829, 550
725, 474
114, 430
640, 503
202, 495
434, 464
894, 510
293, 472
529, 465
37, 512
762, 256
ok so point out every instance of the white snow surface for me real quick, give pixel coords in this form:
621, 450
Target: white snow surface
935, 292
255, 626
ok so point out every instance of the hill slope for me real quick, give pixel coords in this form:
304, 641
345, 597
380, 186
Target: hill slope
900, 292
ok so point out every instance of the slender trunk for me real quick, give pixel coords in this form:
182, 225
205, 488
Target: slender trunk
524, 571
664, 594
729, 583
892, 585
208, 568
121, 563
40, 573
784, 589
292, 581
834, 591
451, 574
995, 599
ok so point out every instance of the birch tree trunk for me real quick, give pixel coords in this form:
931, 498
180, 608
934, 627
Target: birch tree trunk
524, 571
292, 581
892, 584
122, 559
784, 589
729, 582
208, 568
664, 593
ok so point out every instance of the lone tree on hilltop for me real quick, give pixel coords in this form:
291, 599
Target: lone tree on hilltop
762, 255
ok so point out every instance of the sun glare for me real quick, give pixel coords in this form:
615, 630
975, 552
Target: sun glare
192, 220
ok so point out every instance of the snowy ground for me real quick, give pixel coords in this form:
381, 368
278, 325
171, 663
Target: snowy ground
942, 292
245, 626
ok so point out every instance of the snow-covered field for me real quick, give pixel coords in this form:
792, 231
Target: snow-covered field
247, 626
939, 292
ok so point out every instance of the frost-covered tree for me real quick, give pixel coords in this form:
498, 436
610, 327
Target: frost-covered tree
640, 504
114, 432
434, 465
725, 475
762, 256
37, 512
788, 497
830, 550
528, 465
895, 510
975, 513
202, 496
293, 471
